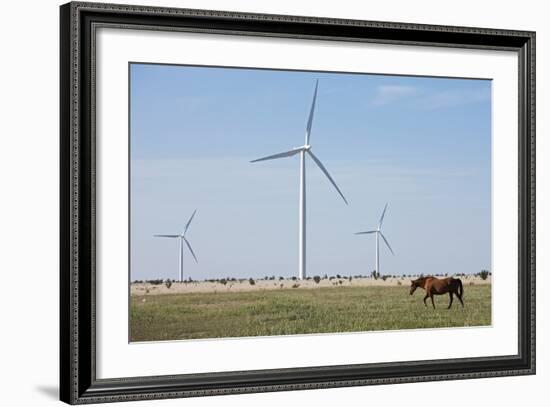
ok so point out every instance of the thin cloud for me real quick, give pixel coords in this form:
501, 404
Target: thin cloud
390, 94
387, 94
453, 98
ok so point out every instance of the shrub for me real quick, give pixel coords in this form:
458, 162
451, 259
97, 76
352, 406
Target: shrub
295, 285
484, 274
384, 278
251, 281
223, 281
317, 279
168, 283
156, 282
375, 274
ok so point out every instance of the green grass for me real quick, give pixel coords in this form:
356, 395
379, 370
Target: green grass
300, 311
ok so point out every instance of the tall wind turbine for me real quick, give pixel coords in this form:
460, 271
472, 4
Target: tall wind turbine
306, 148
182, 239
378, 233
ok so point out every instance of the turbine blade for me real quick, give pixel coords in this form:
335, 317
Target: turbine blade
366, 233
166, 235
382, 217
311, 112
189, 222
190, 249
289, 153
327, 174
387, 244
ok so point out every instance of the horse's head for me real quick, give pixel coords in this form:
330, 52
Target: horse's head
414, 286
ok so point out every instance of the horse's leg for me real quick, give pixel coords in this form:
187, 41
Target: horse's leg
451, 299
460, 299
425, 298
432, 298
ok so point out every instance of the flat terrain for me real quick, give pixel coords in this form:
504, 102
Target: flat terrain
181, 312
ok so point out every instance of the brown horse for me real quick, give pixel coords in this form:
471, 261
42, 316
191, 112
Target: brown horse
438, 286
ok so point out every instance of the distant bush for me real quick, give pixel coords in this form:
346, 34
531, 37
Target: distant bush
281, 278
168, 283
317, 279
384, 278
251, 281
293, 278
349, 278
295, 285
156, 282
375, 275
484, 274
223, 281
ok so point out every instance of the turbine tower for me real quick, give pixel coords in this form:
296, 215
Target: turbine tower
378, 233
182, 239
302, 151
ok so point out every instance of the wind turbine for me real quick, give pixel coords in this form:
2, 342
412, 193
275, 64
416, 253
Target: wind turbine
182, 239
378, 233
306, 148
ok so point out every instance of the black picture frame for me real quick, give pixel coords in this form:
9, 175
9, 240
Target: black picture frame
78, 382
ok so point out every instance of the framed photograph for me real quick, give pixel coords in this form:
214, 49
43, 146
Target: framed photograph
255, 203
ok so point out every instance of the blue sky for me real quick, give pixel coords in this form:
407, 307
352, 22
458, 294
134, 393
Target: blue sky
421, 144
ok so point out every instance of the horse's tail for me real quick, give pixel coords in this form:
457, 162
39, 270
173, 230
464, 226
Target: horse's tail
460, 288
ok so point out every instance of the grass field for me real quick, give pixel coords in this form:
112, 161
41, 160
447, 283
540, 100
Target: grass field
294, 311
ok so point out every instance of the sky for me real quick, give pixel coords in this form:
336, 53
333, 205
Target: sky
420, 144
